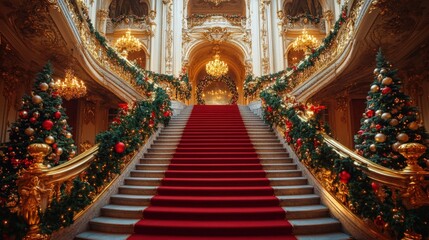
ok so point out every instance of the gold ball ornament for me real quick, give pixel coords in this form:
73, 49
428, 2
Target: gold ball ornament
376, 71
386, 116
72, 153
387, 81
394, 122
383, 71
29, 131
52, 84
380, 77
37, 99
69, 135
378, 112
43, 86
375, 88
59, 151
413, 126
49, 139
402, 137
373, 147
380, 137
395, 146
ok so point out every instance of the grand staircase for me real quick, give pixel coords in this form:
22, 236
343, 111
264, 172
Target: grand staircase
121, 218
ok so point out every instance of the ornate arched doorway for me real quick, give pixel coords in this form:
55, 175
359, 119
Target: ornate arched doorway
220, 90
216, 91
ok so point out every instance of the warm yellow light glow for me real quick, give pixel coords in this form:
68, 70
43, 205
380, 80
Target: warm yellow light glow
305, 42
216, 2
128, 43
216, 67
71, 87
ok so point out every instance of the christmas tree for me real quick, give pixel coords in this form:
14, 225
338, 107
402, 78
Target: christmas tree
41, 120
389, 120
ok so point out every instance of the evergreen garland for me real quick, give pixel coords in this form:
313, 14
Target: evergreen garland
386, 214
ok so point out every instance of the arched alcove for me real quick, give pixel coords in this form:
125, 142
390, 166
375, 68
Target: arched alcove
139, 57
231, 54
298, 7
118, 8
294, 56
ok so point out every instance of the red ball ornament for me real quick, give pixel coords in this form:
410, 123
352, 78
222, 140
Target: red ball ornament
151, 123
119, 147
299, 142
33, 120
47, 124
378, 221
57, 114
386, 90
167, 114
374, 186
370, 113
153, 115
23, 114
344, 176
378, 126
269, 109
54, 146
55, 94
360, 132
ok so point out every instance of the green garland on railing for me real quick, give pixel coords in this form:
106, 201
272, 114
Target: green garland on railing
254, 84
142, 77
387, 215
127, 133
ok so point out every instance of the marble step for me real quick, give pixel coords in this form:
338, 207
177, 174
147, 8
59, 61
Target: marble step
214, 173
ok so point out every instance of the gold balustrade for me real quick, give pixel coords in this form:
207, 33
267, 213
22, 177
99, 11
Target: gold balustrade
412, 182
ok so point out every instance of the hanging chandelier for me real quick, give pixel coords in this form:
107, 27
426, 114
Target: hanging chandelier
216, 67
71, 87
128, 43
305, 42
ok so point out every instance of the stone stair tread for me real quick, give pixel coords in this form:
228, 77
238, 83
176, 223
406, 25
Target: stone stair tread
292, 187
124, 207
313, 221
286, 178
139, 187
304, 208
324, 236
133, 196
296, 197
115, 221
142, 178
93, 235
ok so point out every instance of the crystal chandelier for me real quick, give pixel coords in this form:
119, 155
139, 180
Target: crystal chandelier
71, 87
305, 42
216, 2
128, 43
216, 67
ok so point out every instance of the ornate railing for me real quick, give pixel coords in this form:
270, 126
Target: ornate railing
332, 48
200, 19
130, 22
50, 198
393, 203
107, 57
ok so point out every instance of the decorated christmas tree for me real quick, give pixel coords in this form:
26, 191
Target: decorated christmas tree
389, 120
41, 120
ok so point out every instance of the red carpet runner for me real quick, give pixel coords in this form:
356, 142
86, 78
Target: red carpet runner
215, 187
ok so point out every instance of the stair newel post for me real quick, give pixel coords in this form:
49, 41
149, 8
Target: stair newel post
33, 192
416, 194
